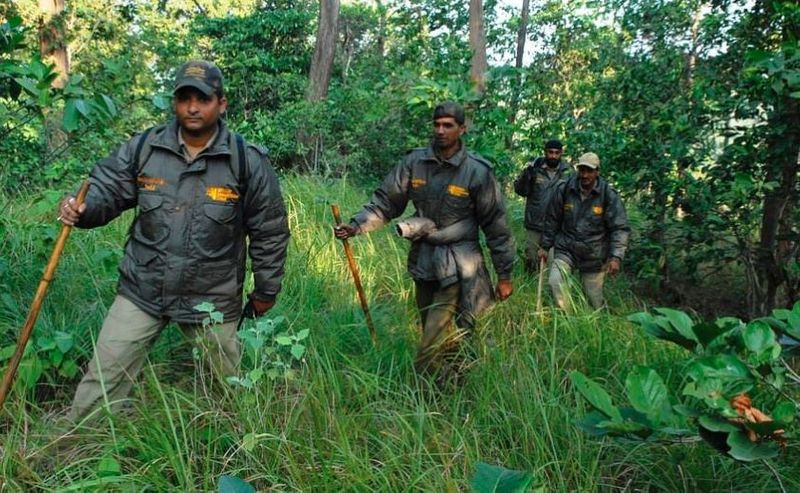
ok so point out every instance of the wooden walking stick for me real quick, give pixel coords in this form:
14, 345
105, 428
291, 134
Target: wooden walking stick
542, 265
351, 261
27, 328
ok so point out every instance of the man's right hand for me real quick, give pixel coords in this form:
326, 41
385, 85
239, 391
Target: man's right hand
344, 231
69, 212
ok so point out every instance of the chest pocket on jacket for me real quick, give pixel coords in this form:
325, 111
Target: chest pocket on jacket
216, 233
151, 226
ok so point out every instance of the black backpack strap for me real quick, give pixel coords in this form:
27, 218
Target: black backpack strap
239, 162
136, 163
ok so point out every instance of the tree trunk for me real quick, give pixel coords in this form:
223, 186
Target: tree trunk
324, 50
516, 89
319, 78
477, 43
784, 146
52, 38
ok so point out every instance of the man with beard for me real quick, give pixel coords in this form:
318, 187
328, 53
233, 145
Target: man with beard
588, 229
455, 195
535, 184
200, 191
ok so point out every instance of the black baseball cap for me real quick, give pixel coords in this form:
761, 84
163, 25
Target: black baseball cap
200, 74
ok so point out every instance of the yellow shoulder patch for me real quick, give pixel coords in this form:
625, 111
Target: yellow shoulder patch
457, 191
418, 182
568, 206
597, 210
222, 194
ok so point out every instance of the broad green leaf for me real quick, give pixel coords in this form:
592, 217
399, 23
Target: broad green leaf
680, 322
719, 366
283, 340
759, 338
302, 334
647, 393
498, 479
108, 467
765, 427
588, 424
298, 351
715, 423
29, 85
249, 442
595, 394
71, 116
784, 412
83, 107
624, 427
232, 484
216, 317
744, 450
64, 341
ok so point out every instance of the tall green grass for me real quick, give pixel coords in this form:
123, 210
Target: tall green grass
356, 418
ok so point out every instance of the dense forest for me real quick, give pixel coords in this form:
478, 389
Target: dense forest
693, 108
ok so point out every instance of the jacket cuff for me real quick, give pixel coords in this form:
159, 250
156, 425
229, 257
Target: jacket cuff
504, 277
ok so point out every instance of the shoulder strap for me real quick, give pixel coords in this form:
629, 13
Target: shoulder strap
239, 156
137, 162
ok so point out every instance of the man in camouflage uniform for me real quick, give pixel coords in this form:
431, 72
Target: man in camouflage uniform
535, 184
455, 194
588, 229
200, 192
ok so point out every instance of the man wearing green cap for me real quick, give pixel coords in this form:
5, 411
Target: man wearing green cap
587, 226
455, 195
201, 191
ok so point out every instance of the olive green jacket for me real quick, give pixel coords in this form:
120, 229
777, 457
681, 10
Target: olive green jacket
462, 196
587, 232
187, 242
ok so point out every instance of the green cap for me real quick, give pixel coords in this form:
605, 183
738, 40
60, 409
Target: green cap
200, 74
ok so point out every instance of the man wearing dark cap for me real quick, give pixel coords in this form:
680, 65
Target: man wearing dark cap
200, 191
455, 195
535, 184
588, 229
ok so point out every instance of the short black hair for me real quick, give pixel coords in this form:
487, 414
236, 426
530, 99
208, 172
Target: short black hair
553, 144
449, 109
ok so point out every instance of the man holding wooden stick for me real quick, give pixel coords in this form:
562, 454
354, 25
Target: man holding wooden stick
201, 191
456, 195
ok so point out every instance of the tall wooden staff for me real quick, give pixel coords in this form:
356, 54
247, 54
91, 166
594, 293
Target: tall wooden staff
27, 329
351, 261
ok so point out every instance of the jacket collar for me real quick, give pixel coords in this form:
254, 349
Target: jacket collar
540, 163
574, 184
169, 139
454, 160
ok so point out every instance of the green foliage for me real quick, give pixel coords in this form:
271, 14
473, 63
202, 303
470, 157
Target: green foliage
498, 479
728, 359
232, 484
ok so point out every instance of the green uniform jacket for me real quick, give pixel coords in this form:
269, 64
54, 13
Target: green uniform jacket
587, 232
461, 196
536, 185
187, 242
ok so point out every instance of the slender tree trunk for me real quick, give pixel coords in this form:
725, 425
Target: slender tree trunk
319, 78
516, 89
53, 48
324, 50
53, 40
477, 43
783, 167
